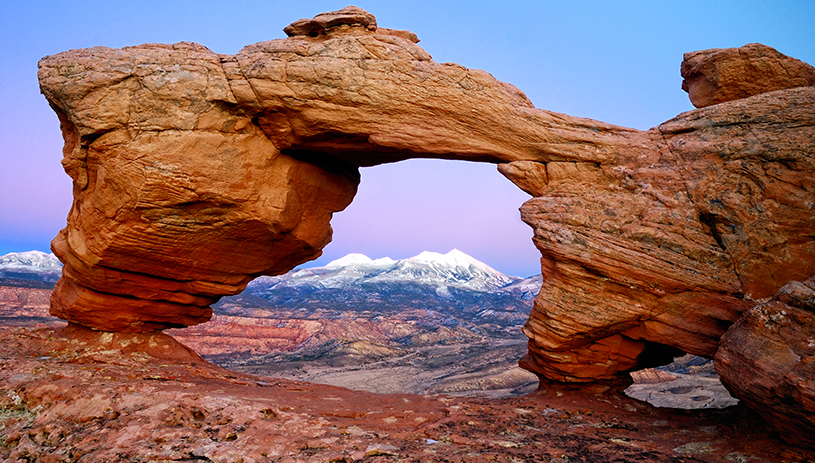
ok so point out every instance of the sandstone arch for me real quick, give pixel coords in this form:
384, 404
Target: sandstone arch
195, 172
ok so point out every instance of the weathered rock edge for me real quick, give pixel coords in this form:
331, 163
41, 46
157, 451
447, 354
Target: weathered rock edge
767, 359
725, 74
195, 172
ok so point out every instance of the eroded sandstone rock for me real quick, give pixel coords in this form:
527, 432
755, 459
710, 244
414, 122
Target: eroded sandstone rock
718, 75
768, 360
194, 172
670, 247
179, 197
350, 16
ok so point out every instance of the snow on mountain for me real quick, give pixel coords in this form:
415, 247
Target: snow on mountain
30, 260
454, 269
440, 271
29, 266
360, 259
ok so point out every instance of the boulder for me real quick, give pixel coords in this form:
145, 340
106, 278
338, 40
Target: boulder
718, 75
349, 16
767, 359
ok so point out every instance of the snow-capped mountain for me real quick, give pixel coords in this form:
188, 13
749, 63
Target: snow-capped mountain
30, 266
30, 260
450, 289
452, 270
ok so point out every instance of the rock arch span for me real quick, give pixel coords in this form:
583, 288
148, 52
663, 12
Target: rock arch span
195, 172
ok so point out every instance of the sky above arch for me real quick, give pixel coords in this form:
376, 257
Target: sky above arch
613, 61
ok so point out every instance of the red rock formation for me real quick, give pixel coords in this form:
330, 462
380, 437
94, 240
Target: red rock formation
669, 244
179, 197
194, 172
767, 359
718, 75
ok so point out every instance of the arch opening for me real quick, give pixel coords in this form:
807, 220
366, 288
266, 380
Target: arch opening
403, 329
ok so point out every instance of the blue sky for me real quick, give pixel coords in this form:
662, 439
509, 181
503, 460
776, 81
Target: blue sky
613, 61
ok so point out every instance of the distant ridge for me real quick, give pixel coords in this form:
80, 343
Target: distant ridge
29, 269
454, 269
454, 286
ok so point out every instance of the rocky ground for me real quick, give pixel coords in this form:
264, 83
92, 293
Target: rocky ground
689, 382
73, 394
79, 395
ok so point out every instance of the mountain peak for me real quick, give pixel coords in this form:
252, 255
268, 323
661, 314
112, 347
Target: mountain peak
37, 266
453, 258
355, 259
429, 281
454, 269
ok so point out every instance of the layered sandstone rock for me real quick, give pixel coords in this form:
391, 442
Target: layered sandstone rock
672, 246
768, 360
179, 197
718, 75
194, 172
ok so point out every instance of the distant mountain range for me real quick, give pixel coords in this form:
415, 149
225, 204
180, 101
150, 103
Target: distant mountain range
449, 286
452, 283
454, 269
33, 269
442, 272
